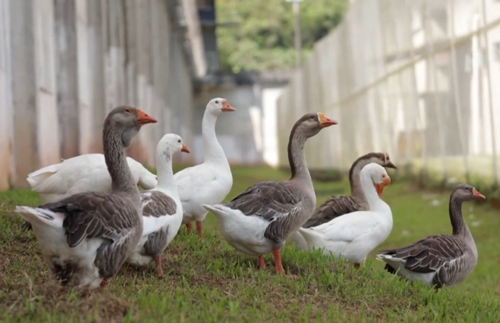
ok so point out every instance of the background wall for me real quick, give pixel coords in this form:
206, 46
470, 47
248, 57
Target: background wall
416, 79
64, 64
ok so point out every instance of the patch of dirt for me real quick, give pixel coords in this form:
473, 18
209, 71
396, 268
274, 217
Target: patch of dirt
101, 306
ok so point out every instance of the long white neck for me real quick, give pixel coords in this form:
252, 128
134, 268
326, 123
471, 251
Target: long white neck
374, 201
164, 170
213, 150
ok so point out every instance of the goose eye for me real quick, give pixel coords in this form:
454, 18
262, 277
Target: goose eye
179, 141
217, 102
128, 110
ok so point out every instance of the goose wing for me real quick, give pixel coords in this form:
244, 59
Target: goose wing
332, 208
95, 215
430, 254
277, 202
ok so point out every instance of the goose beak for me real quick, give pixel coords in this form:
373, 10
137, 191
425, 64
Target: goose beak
324, 121
380, 186
185, 149
477, 195
143, 118
226, 107
389, 164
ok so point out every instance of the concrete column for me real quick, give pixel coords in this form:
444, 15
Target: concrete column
115, 59
67, 76
83, 78
96, 16
46, 103
23, 89
7, 162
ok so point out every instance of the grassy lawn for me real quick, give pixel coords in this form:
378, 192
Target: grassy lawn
212, 282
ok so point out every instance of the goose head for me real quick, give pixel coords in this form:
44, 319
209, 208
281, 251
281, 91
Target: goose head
382, 159
127, 121
218, 105
378, 175
312, 123
170, 144
465, 192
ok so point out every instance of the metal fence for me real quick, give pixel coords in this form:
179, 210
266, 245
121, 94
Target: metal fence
65, 63
419, 79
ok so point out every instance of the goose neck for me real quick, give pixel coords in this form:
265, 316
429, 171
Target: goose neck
456, 218
213, 150
369, 191
296, 156
165, 173
116, 162
355, 182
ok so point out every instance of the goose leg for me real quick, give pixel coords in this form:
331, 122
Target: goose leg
199, 228
104, 282
262, 264
188, 227
159, 270
277, 262
356, 265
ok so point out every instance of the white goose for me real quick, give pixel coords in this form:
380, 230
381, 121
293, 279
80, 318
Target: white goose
80, 174
355, 234
211, 181
161, 207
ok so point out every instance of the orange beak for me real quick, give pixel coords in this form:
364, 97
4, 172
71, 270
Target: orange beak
185, 149
226, 107
477, 195
143, 118
380, 186
324, 121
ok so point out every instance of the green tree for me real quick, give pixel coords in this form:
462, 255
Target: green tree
263, 36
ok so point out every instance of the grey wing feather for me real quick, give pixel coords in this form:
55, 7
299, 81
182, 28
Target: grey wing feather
267, 200
431, 254
157, 242
156, 204
279, 229
99, 215
277, 202
334, 207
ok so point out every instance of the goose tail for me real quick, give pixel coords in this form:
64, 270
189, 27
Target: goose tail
40, 217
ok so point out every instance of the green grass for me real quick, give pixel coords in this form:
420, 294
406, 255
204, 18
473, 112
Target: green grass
212, 282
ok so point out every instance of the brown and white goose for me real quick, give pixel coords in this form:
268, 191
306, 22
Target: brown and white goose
260, 219
336, 206
339, 205
85, 238
439, 260
161, 207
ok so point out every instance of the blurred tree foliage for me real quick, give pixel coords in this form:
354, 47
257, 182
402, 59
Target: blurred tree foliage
264, 38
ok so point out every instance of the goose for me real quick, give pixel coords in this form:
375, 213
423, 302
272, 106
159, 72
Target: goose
439, 260
82, 174
161, 207
259, 220
336, 206
85, 238
211, 181
353, 235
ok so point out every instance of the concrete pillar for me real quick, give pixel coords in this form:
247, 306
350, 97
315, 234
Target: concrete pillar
96, 17
7, 162
83, 78
46, 101
23, 89
67, 76
33, 87
114, 31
